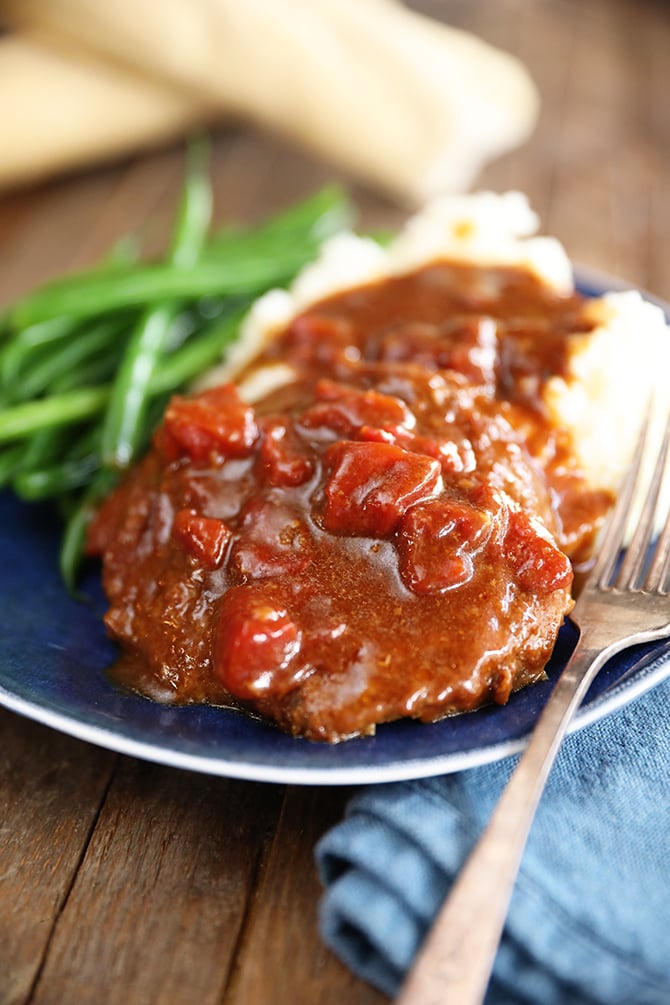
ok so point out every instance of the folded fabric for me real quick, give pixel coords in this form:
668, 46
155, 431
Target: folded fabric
590, 917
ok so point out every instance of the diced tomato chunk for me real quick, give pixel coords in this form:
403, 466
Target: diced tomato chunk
203, 537
257, 645
345, 410
272, 541
216, 423
373, 434
284, 461
372, 484
455, 456
468, 345
319, 338
436, 543
538, 564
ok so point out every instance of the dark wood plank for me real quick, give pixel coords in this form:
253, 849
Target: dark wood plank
544, 39
51, 790
73, 223
255, 174
51, 233
141, 202
595, 167
655, 36
598, 173
160, 897
281, 957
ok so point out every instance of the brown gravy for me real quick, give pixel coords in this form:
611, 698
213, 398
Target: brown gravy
392, 534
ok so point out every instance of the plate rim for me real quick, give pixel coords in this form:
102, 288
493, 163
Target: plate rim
620, 695
644, 677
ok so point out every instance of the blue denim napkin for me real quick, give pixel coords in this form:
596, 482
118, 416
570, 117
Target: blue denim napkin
590, 917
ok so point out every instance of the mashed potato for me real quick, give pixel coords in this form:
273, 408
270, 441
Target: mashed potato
612, 371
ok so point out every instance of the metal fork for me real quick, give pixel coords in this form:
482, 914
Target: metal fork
621, 604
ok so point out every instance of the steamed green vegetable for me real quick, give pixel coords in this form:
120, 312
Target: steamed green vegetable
88, 362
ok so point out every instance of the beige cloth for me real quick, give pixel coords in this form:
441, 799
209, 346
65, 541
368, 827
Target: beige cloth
396, 99
61, 111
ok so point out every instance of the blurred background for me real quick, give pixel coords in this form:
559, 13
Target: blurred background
563, 99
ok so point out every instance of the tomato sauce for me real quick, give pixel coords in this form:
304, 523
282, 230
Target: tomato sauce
393, 533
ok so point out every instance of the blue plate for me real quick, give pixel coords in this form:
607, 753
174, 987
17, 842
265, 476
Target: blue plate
54, 654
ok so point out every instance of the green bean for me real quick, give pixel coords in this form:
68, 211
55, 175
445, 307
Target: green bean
40, 448
195, 210
160, 282
126, 406
29, 417
72, 405
11, 462
325, 213
254, 260
59, 362
55, 479
310, 221
100, 369
122, 427
45, 332
55, 464
196, 356
43, 446
123, 254
27, 340
76, 525
73, 540
87, 363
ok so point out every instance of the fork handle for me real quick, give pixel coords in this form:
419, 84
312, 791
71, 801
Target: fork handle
455, 962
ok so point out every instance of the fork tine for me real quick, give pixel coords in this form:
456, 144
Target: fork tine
633, 564
660, 564
656, 581
611, 542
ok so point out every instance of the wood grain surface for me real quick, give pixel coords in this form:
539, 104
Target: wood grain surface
125, 882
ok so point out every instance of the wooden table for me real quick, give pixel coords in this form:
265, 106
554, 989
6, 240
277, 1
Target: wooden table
125, 882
